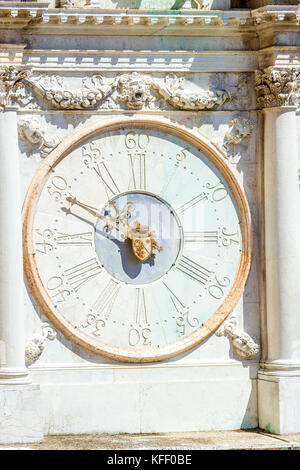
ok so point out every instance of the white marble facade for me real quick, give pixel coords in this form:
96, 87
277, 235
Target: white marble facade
201, 65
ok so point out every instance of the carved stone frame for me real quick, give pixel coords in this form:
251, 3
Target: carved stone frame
32, 275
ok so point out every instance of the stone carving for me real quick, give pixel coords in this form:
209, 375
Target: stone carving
134, 90
37, 343
238, 130
11, 82
277, 87
175, 94
30, 130
52, 89
243, 345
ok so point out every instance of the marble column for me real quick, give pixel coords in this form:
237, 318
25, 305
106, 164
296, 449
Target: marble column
279, 376
12, 363
20, 417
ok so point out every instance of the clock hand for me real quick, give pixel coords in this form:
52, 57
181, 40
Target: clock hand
90, 209
111, 222
142, 240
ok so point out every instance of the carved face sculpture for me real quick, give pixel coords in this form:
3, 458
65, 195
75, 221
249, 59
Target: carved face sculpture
136, 239
134, 91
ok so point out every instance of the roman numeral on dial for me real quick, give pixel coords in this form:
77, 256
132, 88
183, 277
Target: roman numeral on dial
105, 301
80, 274
141, 311
194, 270
76, 239
193, 202
138, 171
201, 237
105, 176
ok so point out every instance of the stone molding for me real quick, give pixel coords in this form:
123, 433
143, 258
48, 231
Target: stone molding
30, 130
277, 87
244, 346
131, 91
36, 343
24, 14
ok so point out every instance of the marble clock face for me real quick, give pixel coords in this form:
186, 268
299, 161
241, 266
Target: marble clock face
135, 241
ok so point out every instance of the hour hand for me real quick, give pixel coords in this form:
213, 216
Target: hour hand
88, 208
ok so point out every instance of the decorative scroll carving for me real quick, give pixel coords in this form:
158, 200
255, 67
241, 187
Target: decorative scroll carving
244, 346
277, 87
177, 97
11, 83
37, 343
52, 89
133, 91
30, 130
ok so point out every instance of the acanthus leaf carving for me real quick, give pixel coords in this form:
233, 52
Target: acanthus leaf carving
277, 87
36, 344
243, 345
31, 131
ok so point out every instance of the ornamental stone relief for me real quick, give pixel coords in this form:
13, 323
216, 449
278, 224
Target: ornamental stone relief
31, 131
36, 344
277, 87
244, 346
126, 91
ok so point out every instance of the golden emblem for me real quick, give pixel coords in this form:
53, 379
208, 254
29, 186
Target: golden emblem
142, 239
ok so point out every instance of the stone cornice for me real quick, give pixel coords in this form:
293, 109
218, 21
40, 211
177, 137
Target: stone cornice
277, 87
38, 18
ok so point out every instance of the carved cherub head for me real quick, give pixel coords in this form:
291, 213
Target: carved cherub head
134, 90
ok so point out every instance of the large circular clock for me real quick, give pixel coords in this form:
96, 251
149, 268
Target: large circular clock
137, 238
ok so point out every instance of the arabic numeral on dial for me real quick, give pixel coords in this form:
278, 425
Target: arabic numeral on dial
54, 285
229, 238
139, 337
97, 323
138, 140
58, 184
215, 290
46, 244
91, 154
219, 192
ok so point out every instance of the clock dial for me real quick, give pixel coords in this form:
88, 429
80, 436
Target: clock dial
137, 239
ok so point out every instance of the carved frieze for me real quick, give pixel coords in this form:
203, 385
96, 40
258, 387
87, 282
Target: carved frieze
244, 346
277, 87
36, 344
31, 131
132, 91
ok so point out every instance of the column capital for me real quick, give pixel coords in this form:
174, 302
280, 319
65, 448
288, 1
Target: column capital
277, 88
11, 81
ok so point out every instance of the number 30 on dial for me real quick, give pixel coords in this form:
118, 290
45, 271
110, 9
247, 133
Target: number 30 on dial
136, 239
